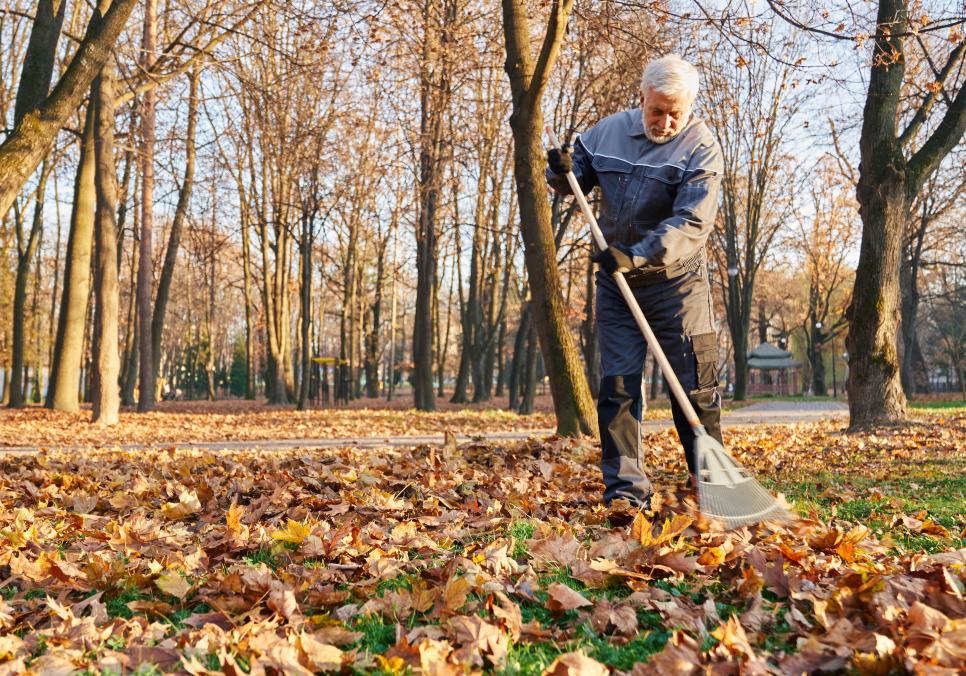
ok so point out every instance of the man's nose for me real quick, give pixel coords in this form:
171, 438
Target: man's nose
667, 122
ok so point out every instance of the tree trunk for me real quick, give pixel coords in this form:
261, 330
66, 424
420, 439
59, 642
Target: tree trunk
106, 396
655, 379
887, 186
372, 343
817, 362
914, 373
177, 223
26, 249
32, 137
573, 405
529, 372
249, 312
519, 358
439, 17
145, 283
69, 345
35, 76
305, 301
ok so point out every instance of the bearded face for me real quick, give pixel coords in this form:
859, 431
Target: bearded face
664, 116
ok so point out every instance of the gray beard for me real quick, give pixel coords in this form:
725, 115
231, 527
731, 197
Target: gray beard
659, 140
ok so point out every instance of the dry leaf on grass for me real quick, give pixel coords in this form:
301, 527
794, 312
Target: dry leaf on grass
564, 598
575, 664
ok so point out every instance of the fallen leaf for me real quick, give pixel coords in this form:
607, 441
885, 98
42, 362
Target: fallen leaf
564, 598
575, 664
173, 583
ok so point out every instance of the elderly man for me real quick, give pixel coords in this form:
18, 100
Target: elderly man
659, 171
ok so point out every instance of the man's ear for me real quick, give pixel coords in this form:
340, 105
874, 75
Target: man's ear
640, 97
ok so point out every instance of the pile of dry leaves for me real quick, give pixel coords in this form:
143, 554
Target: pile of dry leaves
453, 559
249, 422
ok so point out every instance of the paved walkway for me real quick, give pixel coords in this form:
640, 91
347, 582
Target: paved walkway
766, 412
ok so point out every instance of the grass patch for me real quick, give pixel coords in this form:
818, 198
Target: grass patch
531, 658
625, 656
520, 532
927, 490
377, 636
264, 555
938, 405
117, 604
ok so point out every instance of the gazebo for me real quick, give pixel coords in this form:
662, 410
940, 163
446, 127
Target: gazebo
771, 370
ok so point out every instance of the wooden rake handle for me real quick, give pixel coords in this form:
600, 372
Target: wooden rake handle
655, 347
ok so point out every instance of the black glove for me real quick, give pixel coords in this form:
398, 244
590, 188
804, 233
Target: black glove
561, 161
612, 259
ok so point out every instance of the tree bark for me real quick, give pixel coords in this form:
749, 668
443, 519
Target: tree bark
35, 76
26, 249
32, 137
177, 224
573, 405
69, 345
519, 358
438, 19
145, 283
887, 186
106, 395
305, 300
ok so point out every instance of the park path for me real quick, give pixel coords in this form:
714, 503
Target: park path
760, 413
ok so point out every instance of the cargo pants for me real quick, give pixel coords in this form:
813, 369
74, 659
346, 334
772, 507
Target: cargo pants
679, 312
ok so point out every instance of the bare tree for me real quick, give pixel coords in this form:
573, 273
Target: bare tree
573, 404
33, 136
106, 361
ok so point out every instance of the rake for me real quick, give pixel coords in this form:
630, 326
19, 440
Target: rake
727, 492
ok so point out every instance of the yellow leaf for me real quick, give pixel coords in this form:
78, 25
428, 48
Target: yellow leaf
712, 556
294, 532
173, 583
188, 503
642, 529
930, 527
392, 665
233, 518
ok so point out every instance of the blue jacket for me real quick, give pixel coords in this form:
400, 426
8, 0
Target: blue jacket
658, 200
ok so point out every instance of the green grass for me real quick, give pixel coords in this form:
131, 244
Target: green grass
377, 636
523, 659
520, 532
938, 405
117, 604
623, 657
931, 487
264, 555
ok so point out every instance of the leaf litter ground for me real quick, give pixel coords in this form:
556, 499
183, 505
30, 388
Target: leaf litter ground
484, 557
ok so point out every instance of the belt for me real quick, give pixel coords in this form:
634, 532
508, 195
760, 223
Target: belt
650, 276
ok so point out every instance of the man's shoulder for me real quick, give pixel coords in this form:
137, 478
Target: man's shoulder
700, 146
699, 135
609, 130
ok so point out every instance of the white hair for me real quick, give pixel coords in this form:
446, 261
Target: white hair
671, 75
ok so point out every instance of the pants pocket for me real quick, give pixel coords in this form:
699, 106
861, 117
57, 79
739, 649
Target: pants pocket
705, 347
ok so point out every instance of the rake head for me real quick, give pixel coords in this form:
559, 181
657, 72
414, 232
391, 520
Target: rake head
727, 492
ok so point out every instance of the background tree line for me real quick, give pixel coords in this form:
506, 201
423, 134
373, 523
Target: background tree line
226, 190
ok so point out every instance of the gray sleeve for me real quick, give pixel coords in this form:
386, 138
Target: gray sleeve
695, 206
